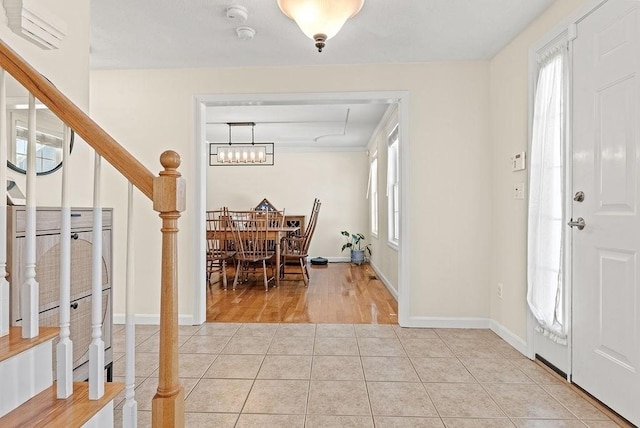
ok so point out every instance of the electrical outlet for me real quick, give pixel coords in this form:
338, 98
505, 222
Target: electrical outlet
500, 290
518, 191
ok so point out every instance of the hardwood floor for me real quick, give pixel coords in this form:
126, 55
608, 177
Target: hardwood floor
337, 293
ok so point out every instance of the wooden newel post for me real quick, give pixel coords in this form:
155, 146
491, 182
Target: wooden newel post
169, 200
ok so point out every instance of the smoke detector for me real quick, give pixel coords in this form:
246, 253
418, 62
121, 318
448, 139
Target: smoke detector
237, 13
245, 33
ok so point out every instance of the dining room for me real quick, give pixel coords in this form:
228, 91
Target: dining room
282, 158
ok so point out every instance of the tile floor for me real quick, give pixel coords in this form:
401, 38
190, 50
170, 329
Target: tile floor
343, 375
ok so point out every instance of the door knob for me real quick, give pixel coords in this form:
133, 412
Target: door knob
579, 223
579, 196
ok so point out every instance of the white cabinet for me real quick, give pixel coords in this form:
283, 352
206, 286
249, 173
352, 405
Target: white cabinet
48, 275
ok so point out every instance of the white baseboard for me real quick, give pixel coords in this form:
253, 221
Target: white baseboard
152, 319
384, 280
513, 340
447, 322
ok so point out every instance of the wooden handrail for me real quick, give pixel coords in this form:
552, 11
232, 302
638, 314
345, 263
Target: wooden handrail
77, 120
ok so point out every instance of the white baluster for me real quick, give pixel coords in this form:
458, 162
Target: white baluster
64, 349
4, 284
96, 349
130, 409
29, 298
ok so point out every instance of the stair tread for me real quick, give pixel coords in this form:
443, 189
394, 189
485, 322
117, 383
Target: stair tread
45, 408
13, 344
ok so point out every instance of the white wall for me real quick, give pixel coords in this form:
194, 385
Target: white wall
384, 258
448, 141
68, 69
509, 136
338, 179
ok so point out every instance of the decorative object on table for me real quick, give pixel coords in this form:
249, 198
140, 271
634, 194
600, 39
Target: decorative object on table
320, 20
265, 205
241, 154
355, 243
297, 247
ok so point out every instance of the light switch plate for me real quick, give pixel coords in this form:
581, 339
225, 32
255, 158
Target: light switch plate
518, 191
519, 161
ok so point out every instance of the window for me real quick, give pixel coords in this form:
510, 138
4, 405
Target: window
374, 195
393, 192
546, 214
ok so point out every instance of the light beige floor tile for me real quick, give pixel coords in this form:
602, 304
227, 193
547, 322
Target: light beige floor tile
145, 331
207, 420
323, 421
235, 367
509, 351
146, 364
538, 374
287, 397
473, 349
188, 330
574, 402
336, 398
465, 333
286, 367
498, 370
380, 347
415, 333
527, 401
442, 370
257, 329
256, 345
296, 330
218, 395
463, 400
218, 329
375, 330
548, 423
601, 424
148, 388
478, 423
335, 330
396, 369
203, 345
331, 367
407, 422
400, 399
144, 418
193, 365
336, 346
291, 345
152, 344
248, 420
426, 348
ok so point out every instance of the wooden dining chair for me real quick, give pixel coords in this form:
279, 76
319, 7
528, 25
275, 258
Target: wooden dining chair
296, 248
251, 245
220, 244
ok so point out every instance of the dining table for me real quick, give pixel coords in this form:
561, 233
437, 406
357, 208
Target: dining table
276, 233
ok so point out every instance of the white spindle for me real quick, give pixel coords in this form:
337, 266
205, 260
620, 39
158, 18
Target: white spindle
64, 349
96, 349
4, 284
130, 409
29, 298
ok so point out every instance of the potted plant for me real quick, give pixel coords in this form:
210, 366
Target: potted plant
355, 243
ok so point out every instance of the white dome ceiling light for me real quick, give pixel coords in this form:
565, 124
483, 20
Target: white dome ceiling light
245, 33
320, 20
237, 13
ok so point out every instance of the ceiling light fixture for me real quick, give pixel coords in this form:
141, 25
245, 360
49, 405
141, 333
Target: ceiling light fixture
235, 154
320, 20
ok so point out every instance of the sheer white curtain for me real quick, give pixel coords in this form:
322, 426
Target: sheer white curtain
546, 198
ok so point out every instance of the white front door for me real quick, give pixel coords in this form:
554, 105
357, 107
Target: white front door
606, 167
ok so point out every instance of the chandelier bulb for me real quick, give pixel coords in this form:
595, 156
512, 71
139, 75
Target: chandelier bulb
320, 41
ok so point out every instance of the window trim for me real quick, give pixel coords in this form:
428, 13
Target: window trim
374, 206
393, 215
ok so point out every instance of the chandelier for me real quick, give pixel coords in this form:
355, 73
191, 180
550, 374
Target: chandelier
320, 20
230, 153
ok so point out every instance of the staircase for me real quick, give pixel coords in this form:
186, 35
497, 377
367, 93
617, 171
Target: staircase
29, 396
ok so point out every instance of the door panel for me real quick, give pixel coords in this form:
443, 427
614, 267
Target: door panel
606, 138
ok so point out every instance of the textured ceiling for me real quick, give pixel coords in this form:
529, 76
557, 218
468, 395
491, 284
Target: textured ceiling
196, 33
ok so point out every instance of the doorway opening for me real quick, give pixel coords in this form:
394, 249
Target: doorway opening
235, 187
